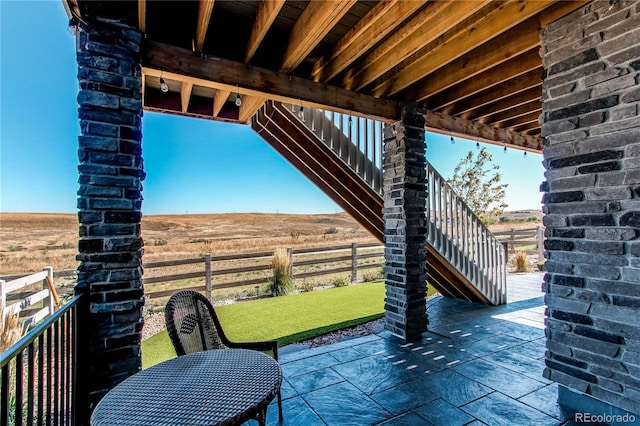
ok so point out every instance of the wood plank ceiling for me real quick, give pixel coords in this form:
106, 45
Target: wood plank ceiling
474, 65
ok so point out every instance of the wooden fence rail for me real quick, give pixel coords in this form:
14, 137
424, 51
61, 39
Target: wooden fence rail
300, 258
18, 297
517, 239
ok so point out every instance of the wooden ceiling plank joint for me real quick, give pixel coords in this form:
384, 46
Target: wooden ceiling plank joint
219, 100
317, 19
217, 73
142, 15
464, 40
428, 24
266, 14
205, 9
185, 94
380, 21
456, 126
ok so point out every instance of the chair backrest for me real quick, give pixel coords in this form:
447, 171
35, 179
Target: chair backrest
192, 323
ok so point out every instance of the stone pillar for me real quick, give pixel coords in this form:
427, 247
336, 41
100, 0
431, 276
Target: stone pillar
405, 234
591, 130
110, 199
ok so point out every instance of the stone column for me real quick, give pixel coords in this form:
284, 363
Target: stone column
109, 200
591, 130
405, 235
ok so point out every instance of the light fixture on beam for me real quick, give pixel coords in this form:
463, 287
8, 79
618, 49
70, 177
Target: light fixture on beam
163, 85
238, 101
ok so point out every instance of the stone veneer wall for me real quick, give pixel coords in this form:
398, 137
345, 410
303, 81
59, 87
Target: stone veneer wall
110, 199
405, 234
591, 129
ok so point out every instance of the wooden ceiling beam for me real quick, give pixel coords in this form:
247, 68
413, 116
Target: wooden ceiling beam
528, 119
501, 91
316, 20
142, 15
373, 27
266, 14
526, 97
507, 45
184, 65
458, 127
463, 40
205, 8
501, 117
250, 105
185, 94
219, 99
514, 67
428, 24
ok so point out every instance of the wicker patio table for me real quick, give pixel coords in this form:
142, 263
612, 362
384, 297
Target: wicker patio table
216, 387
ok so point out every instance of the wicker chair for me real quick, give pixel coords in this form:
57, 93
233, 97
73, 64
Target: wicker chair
193, 326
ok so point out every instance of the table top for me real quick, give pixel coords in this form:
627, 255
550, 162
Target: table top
216, 387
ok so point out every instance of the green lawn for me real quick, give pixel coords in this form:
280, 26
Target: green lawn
287, 319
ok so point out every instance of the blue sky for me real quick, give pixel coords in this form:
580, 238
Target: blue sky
193, 166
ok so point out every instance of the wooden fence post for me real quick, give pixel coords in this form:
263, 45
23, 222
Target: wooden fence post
513, 240
354, 262
207, 274
49, 302
540, 242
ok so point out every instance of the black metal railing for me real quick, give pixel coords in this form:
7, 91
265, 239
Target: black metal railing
38, 374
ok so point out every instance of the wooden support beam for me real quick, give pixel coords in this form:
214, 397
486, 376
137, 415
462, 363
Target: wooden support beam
219, 100
184, 65
463, 40
514, 67
526, 97
316, 20
250, 105
142, 15
266, 14
507, 45
185, 94
501, 91
442, 123
205, 8
373, 27
429, 23
501, 117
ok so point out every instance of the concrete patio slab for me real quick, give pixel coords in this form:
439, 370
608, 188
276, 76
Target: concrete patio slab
476, 365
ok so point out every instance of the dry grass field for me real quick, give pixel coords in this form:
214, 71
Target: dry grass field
30, 241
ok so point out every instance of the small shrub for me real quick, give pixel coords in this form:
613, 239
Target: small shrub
68, 245
505, 219
306, 286
160, 242
370, 276
340, 282
532, 219
281, 282
332, 230
521, 262
540, 265
15, 248
11, 330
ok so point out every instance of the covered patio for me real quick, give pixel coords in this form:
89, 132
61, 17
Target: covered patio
559, 78
477, 363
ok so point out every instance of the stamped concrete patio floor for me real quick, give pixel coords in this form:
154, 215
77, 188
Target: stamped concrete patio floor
476, 365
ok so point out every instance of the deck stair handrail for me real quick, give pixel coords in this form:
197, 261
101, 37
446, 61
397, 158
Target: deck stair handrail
455, 232
357, 141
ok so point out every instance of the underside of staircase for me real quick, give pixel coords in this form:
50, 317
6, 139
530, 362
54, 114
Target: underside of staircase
304, 149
